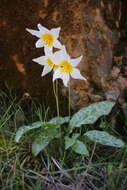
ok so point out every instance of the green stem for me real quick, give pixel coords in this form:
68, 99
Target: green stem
55, 90
69, 99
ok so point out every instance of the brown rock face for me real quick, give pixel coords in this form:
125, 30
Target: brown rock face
95, 28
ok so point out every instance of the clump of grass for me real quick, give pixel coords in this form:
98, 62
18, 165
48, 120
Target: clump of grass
53, 168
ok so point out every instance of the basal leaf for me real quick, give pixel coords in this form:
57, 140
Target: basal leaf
43, 139
69, 142
59, 120
104, 138
80, 148
75, 135
49, 125
22, 130
40, 143
90, 114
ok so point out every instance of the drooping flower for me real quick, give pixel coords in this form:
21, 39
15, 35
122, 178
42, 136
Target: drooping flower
47, 38
48, 61
66, 67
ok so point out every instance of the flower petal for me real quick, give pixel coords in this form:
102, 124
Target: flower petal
57, 44
47, 50
61, 55
33, 32
65, 78
40, 60
57, 74
76, 74
58, 56
76, 61
65, 54
56, 32
42, 29
46, 70
39, 44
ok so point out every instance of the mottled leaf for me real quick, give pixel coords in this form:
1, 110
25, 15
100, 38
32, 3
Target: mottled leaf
43, 139
70, 141
90, 114
104, 138
80, 148
22, 130
59, 120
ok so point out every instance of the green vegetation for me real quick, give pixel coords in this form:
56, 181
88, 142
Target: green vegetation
72, 153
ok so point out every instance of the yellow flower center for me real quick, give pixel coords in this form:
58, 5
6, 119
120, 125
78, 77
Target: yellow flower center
51, 64
65, 67
48, 39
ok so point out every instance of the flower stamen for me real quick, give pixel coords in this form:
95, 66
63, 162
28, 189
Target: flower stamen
51, 64
65, 67
47, 39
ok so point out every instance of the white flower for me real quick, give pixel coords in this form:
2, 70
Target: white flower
48, 61
66, 67
47, 38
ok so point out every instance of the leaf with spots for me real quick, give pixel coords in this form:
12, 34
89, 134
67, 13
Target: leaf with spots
90, 114
104, 138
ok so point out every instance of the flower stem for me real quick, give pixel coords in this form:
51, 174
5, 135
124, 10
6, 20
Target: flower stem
69, 99
55, 90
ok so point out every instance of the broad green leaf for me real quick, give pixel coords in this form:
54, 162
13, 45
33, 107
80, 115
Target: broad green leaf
90, 114
69, 142
80, 148
37, 123
22, 130
59, 120
49, 125
75, 135
43, 139
104, 138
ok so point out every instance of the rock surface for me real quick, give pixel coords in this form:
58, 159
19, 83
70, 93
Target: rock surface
97, 29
